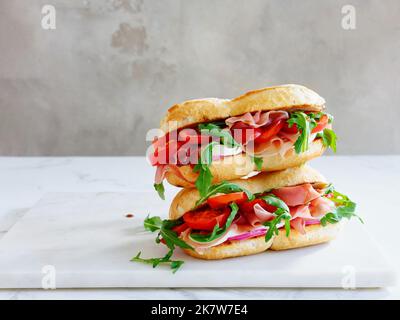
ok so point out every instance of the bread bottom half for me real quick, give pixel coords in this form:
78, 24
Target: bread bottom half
315, 234
232, 249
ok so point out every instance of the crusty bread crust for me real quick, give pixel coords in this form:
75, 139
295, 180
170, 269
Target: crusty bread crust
196, 111
240, 165
285, 97
315, 234
232, 249
185, 200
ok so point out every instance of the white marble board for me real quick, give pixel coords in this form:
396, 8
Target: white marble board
89, 241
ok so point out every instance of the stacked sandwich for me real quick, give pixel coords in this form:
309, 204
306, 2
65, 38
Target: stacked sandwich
246, 187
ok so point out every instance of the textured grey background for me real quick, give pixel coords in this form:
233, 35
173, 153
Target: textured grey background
98, 82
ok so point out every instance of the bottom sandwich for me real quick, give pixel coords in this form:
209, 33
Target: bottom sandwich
282, 210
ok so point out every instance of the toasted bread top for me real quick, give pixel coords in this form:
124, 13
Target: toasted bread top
287, 97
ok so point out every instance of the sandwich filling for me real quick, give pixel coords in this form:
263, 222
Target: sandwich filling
258, 134
230, 213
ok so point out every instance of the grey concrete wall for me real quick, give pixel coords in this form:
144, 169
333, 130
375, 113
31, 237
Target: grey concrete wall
106, 75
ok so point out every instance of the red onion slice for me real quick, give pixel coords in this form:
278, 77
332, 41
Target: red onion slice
250, 234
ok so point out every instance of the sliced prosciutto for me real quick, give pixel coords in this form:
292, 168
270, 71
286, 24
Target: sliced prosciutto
276, 145
162, 170
321, 206
160, 173
300, 215
260, 133
258, 119
297, 195
298, 224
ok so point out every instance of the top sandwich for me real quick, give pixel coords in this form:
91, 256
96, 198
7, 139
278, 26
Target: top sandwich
207, 141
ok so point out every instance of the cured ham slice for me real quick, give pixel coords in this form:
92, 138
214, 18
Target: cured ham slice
164, 168
280, 144
257, 216
251, 218
161, 141
302, 211
292, 137
311, 222
258, 119
160, 173
262, 214
321, 206
297, 195
166, 154
245, 136
298, 224
275, 146
301, 216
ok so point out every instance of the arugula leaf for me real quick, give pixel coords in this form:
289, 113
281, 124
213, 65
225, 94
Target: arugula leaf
318, 116
223, 187
175, 264
315, 115
159, 187
282, 213
340, 198
215, 130
329, 189
204, 179
206, 237
171, 240
329, 138
206, 154
217, 231
273, 224
164, 227
258, 162
345, 208
275, 201
305, 124
152, 224
169, 224
330, 217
